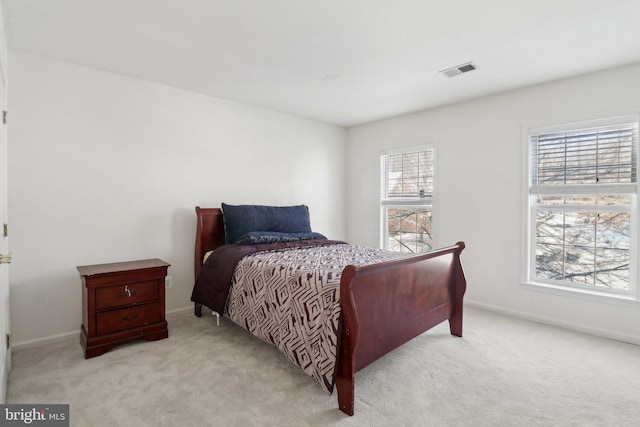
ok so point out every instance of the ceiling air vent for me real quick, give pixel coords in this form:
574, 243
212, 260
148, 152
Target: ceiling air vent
458, 69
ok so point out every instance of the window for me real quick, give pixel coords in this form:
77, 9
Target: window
583, 205
406, 199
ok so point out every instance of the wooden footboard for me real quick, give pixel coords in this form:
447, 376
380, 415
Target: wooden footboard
385, 305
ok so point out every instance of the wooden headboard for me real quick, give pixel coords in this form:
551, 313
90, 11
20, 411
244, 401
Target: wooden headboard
209, 233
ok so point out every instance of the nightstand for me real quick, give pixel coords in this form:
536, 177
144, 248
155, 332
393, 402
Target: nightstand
121, 302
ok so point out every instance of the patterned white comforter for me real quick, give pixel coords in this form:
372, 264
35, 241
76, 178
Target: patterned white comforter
291, 298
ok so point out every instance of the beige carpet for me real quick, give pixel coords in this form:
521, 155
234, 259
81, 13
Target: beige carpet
504, 372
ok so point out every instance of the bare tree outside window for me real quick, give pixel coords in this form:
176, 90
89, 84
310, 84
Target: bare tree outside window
409, 230
584, 248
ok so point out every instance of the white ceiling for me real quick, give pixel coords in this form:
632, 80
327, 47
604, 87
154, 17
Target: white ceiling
343, 62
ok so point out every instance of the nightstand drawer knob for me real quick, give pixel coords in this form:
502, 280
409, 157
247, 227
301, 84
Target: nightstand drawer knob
135, 316
127, 292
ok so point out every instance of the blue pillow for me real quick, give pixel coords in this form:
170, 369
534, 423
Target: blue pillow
260, 237
242, 219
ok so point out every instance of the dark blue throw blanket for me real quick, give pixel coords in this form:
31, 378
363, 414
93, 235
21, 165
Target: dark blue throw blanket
214, 281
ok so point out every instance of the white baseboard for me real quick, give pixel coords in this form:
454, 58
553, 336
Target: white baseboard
604, 333
180, 310
632, 339
37, 342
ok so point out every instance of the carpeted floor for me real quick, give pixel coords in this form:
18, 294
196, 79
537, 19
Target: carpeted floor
503, 372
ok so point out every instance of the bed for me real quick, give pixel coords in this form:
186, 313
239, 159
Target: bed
381, 305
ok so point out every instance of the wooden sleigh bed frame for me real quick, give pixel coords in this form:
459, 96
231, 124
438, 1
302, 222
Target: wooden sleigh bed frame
383, 305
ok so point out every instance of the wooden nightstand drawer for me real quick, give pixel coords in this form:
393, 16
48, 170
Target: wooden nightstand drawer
129, 294
127, 318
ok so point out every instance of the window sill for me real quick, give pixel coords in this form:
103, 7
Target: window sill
584, 294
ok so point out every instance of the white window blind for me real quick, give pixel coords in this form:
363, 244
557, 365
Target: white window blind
406, 199
604, 155
407, 176
582, 196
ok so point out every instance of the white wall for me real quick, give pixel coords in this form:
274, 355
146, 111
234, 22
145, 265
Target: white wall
106, 168
5, 328
480, 191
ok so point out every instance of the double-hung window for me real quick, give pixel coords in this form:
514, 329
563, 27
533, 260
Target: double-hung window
406, 199
583, 205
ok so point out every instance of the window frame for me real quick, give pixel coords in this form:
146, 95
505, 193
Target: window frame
532, 207
405, 202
